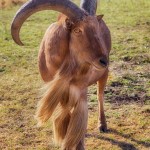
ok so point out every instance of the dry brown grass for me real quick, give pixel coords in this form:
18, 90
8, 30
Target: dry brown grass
9, 3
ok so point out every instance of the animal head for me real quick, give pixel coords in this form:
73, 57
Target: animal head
86, 42
85, 38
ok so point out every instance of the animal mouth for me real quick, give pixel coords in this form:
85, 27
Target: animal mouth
96, 67
99, 67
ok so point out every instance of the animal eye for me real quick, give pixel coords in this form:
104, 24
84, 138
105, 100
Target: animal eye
77, 31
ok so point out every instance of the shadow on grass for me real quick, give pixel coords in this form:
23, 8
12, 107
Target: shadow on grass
145, 144
121, 144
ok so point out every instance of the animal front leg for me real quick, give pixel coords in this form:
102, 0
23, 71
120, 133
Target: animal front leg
74, 139
100, 94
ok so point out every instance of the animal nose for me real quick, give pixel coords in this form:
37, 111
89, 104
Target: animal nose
103, 61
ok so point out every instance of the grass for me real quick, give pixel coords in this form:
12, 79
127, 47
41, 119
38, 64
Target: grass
127, 95
9, 3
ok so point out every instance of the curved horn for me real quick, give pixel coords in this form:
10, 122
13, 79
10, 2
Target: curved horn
90, 6
32, 6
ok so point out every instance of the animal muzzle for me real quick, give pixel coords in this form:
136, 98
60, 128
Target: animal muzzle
101, 63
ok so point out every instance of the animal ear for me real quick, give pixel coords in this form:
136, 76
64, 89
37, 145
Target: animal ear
68, 23
99, 17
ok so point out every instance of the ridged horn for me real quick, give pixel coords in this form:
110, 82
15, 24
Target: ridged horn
89, 6
66, 7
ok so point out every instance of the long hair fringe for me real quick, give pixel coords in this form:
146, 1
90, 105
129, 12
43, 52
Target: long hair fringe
67, 104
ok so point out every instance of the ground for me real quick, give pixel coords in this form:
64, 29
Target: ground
127, 95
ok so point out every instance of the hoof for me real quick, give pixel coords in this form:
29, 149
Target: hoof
103, 128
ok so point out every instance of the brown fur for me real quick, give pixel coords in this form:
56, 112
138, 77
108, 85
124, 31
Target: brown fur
60, 126
78, 123
69, 63
51, 98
